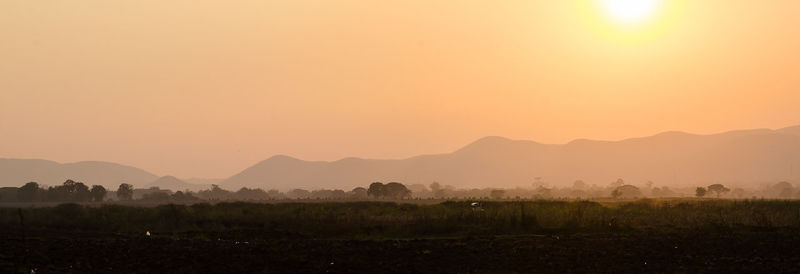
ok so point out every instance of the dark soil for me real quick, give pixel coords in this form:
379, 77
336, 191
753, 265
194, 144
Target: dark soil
55, 251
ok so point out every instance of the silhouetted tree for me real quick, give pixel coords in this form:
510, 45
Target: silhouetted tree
700, 192
662, 192
393, 190
543, 192
55, 194
98, 193
579, 185
497, 193
77, 190
275, 194
436, 190
781, 190
81, 192
377, 190
29, 192
215, 193
626, 191
69, 191
125, 192
396, 190
718, 189
359, 193
298, 193
336, 194
250, 194
180, 196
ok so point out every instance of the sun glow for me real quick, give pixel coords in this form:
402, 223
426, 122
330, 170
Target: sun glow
630, 11
630, 21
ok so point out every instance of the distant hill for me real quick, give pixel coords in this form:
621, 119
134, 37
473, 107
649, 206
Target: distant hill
744, 157
671, 158
795, 130
175, 184
17, 172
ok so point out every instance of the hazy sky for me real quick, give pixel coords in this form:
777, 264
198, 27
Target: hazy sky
206, 88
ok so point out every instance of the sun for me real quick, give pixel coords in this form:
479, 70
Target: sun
630, 21
630, 12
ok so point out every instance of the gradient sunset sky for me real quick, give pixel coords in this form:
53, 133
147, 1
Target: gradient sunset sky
196, 88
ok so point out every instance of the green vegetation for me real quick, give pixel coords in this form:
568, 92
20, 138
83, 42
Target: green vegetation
388, 220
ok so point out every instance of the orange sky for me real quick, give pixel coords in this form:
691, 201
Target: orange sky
206, 88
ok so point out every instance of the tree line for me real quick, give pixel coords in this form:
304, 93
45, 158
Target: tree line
78, 192
73, 191
69, 191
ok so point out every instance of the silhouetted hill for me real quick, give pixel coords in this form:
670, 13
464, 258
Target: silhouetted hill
175, 184
16, 172
671, 158
791, 130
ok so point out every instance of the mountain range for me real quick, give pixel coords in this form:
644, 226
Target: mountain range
740, 158
670, 158
16, 172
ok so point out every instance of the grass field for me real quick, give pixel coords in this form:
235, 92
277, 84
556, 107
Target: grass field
549, 236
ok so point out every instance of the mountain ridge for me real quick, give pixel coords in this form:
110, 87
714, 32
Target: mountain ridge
503, 162
16, 172
670, 157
